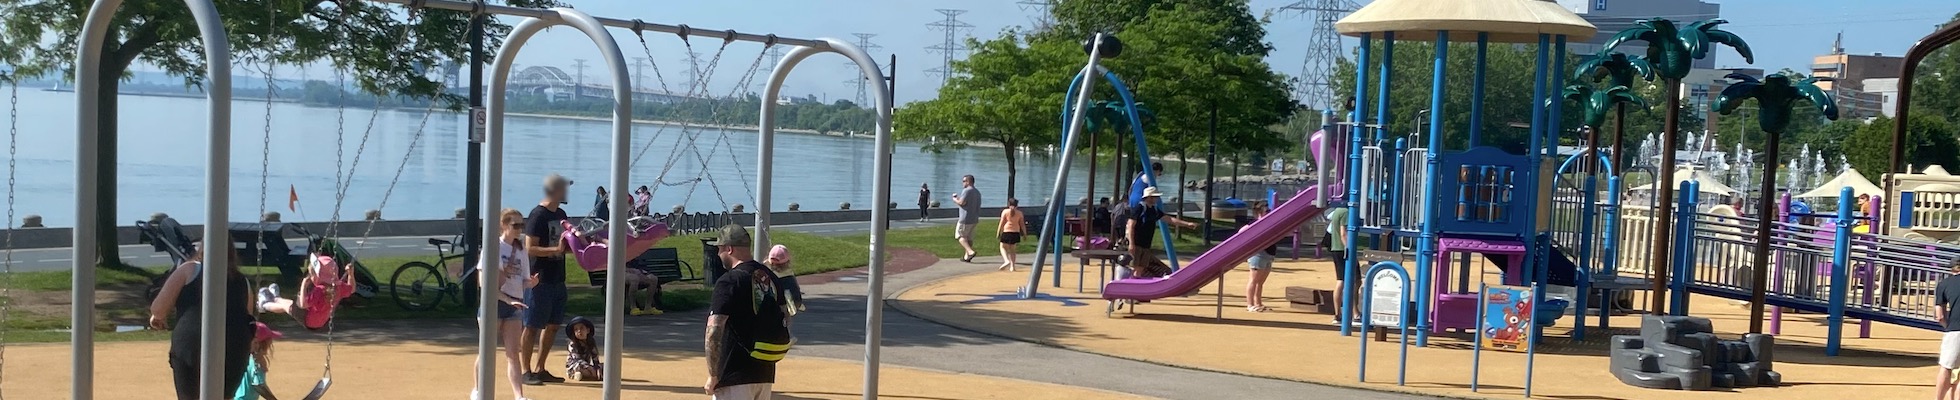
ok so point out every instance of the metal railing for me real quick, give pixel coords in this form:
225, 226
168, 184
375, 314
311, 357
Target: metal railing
1415, 172
1370, 208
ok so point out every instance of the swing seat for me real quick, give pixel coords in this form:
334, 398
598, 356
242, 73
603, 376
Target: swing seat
591, 254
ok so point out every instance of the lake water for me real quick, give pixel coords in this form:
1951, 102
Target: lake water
162, 148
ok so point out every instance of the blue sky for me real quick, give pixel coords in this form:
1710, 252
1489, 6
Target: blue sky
1784, 33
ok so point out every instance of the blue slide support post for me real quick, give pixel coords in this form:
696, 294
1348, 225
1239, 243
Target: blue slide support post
1477, 90
1535, 154
1840, 272
1684, 240
1426, 244
1609, 253
1354, 191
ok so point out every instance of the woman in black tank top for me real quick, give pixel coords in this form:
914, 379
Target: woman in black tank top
183, 293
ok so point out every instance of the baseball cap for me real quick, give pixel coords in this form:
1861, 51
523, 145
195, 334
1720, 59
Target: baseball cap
265, 332
556, 181
1152, 192
779, 255
734, 235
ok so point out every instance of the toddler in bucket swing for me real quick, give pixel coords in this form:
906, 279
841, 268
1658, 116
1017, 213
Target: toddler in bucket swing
325, 285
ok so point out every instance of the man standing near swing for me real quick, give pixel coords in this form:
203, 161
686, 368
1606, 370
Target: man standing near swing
545, 303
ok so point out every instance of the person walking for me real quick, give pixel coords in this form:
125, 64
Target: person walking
1143, 227
545, 301
925, 199
1012, 226
748, 323
969, 202
183, 293
1947, 294
602, 206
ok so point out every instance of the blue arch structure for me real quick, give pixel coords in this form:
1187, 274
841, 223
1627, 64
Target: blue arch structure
1143, 157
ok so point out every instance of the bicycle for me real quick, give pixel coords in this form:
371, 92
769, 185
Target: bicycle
420, 286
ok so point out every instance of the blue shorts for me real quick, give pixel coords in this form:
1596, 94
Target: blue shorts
504, 311
547, 305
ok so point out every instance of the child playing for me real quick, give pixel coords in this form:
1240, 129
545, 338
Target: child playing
325, 285
582, 352
785, 276
1261, 264
253, 385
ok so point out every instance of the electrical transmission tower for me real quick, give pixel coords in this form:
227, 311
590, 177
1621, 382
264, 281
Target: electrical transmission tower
1323, 48
639, 74
578, 86
1041, 18
951, 47
863, 43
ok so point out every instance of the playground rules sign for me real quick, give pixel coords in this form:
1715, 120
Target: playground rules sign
1385, 307
1506, 322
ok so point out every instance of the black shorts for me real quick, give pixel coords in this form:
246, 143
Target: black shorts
545, 305
1340, 264
1009, 237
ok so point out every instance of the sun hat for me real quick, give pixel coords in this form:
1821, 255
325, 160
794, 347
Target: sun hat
778, 255
1152, 192
265, 332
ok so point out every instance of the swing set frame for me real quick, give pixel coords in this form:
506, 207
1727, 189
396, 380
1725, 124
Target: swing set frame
219, 95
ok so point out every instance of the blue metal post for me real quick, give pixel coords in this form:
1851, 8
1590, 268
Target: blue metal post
1353, 189
1425, 245
1397, 170
1382, 87
1552, 131
1477, 346
1684, 242
1143, 157
1477, 90
1609, 251
1840, 273
1535, 154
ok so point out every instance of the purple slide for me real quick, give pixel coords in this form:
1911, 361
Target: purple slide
1227, 255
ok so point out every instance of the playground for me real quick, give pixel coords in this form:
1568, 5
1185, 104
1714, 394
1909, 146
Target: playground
1296, 344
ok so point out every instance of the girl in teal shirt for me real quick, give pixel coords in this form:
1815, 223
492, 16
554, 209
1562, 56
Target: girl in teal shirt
254, 383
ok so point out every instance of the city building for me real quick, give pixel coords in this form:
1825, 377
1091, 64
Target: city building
1888, 89
1848, 74
1613, 16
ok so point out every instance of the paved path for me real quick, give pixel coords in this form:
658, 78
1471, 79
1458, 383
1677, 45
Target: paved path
59, 259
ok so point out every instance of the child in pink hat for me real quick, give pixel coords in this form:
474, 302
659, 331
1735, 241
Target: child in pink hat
779, 261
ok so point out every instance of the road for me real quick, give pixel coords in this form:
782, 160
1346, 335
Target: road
59, 259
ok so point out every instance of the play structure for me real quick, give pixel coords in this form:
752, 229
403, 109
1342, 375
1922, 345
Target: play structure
217, 84
1683, 353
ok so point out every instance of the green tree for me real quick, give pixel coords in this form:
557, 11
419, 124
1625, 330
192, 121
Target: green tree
1775, 96
1003, 94
1930, 140
1672, 52
381, 51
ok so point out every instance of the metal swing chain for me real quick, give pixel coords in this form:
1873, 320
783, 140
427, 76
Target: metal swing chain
658, 77
13, 155
265, 148
722, 138
696, 89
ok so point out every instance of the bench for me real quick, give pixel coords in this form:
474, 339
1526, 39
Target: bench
264, 244
663, 263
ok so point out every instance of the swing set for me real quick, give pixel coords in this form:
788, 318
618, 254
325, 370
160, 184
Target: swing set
218, 61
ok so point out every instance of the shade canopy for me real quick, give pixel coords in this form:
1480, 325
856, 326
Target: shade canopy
1849, 178
1506, 21
1709, 184
1936, 169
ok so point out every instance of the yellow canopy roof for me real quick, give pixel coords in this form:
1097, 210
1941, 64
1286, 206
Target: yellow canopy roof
1507, 21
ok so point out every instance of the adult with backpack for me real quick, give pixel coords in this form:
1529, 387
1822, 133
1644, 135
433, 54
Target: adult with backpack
748, 323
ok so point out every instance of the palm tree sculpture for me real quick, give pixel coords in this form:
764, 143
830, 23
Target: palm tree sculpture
1775, 95
1621, 69
1595, 104
1672, 52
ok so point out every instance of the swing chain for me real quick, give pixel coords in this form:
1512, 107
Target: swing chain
265, 149
13, 155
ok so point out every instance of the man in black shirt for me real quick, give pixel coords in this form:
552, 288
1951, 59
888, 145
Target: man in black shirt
545, 302
1143, 228
1947, 296
748, 327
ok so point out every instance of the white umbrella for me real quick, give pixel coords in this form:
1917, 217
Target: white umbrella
1849, 178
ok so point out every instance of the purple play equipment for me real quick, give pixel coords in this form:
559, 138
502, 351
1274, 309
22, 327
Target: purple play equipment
1228, 254
591, 254
1861, 270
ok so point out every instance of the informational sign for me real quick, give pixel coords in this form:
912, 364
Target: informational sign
1387, 300
1507, 317
478, 119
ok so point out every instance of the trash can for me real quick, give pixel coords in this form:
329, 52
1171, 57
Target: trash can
711, 261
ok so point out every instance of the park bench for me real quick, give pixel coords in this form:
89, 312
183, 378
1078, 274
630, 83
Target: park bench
264, 244
660, 262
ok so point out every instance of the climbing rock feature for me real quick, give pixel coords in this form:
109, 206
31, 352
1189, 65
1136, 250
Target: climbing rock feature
1682, 353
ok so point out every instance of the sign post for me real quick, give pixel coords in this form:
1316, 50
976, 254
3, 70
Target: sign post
478, 118
1505, 318
1387, 303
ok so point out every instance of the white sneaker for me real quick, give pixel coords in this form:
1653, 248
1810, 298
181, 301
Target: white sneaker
267, 294
475, 395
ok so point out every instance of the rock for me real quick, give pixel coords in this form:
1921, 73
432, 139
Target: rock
844, 206
894, 206
31, 221
934, 204
460, 213
680, 209
795, 207
270, 216
158, 217
372, 215
736, 209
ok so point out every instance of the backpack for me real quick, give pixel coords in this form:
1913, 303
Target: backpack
772, 340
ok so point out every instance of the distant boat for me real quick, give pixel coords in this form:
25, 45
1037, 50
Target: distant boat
57, 88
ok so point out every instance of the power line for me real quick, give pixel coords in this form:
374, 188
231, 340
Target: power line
578, 86
863, 43
951, 48
1042, 19
1315, 88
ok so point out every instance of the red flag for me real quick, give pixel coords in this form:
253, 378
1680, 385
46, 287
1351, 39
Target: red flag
292, 198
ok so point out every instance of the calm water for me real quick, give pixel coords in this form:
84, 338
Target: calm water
163, 151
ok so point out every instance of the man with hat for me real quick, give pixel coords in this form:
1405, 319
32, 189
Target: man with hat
748, 326
545, 303
1143, 229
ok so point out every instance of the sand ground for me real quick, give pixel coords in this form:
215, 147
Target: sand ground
1897, 362
417, 370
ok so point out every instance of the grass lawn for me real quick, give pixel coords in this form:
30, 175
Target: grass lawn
939, 240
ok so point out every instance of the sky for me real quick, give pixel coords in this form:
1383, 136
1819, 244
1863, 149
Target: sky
1783, 33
